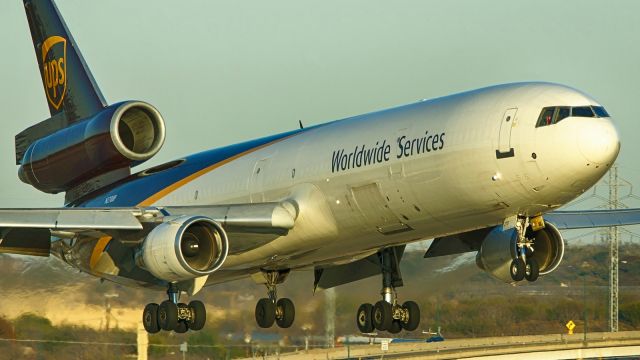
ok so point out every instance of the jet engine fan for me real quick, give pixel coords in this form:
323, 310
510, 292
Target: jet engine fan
499, 248
184, 248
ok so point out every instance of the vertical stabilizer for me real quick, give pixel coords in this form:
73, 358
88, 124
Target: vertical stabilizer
70, 89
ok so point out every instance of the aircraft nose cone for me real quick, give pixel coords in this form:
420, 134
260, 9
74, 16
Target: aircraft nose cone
598, 141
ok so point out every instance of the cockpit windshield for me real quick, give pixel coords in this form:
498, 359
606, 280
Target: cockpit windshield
555, 114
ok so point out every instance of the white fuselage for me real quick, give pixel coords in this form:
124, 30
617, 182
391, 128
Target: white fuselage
410, 173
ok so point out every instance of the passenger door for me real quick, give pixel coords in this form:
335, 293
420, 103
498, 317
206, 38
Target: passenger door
504, 137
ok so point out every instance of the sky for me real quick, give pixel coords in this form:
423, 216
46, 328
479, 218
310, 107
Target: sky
221, 72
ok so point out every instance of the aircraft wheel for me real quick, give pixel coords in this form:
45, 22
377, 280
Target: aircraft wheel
199, 315
364, 318
413, 315
395, 327
150, 318
168, 315
265, 313
286, 311
382, 315
532, 270
182, 327
517, 269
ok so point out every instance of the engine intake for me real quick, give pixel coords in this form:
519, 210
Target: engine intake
120, 136
498, 249
137, 130
184, 248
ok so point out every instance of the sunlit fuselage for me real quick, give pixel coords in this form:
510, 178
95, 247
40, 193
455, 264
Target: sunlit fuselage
419, 171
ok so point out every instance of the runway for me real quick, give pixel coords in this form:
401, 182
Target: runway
559, 346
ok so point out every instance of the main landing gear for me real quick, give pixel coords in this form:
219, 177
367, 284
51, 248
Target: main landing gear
387, 314
171, 315
271, 309
524, 266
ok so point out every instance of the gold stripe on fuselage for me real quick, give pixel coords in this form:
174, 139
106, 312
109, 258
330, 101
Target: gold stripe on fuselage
178, 184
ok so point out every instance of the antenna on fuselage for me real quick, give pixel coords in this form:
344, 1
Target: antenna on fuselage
300, 122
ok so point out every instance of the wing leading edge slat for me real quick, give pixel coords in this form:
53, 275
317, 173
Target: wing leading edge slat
582, 219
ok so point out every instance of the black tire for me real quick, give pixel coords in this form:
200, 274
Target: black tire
517, 269
413, 312
150, 318
168, 315
396, 327
364, 318
199, 315
288, 312
182, 327
382, 315
265, 313
532, 270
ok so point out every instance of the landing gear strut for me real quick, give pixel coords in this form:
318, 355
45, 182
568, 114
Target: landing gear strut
524, 266
271, 309
387, 314
171, 315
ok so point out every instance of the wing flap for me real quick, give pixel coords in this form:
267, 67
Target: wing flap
67, 218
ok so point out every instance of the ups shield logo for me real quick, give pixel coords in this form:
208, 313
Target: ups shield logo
54, 69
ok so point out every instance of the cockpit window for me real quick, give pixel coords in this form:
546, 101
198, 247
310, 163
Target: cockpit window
600, 111
563, 112
582, 111
555, 114
546, 117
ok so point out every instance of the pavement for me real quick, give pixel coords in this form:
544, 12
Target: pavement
555, 346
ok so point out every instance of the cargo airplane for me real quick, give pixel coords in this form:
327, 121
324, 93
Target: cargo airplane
480, 171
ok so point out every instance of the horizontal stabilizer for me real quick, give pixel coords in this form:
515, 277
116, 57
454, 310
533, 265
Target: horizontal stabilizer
44, 128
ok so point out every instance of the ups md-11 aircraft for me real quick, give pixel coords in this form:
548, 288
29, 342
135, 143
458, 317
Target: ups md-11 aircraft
481, 171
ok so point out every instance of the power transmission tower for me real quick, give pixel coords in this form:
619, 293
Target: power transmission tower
613, 251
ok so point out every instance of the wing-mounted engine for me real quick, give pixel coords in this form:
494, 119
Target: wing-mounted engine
118, 137
500, 247
184, 248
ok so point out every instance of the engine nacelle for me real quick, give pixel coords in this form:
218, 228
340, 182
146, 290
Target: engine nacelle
184, 248
120, 136
498, 249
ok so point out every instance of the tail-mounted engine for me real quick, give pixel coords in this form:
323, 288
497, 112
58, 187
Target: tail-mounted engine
537, 252
118, 137
184, 248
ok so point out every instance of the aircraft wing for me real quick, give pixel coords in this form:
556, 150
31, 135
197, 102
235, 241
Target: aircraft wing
563, 220
582, 219
29, 231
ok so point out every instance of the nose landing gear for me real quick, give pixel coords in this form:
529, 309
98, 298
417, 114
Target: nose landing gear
524, 266
387, 314
173, 316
